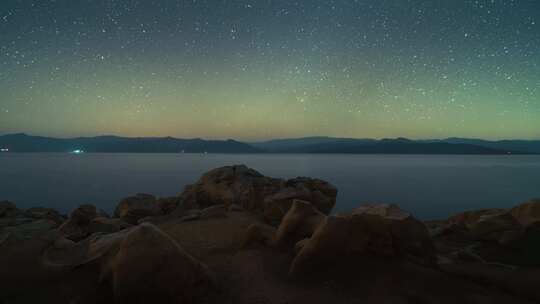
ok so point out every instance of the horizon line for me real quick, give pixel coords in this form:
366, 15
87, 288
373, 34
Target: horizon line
271, 139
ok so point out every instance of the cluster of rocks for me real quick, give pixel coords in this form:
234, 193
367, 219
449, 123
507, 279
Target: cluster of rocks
131, 260
134, 256
24, 224
156, 249
321, 242
247, 188
503, 236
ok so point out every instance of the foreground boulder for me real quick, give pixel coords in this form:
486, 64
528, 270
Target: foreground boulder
372, 230
527, 213
42, 213
501, 236
168, 204
259, 235
379, 253
134, 208
468, 218
152, 267
8, 209
522, 283
107, 225
525, 244
29, 230
86, 220
23, 237
65, 254
319, 193
255, 192
21, 247
491, 225
76, 227
524, 214
299, 223
10, 215
408, 236
229, 185
141, 264
494, 227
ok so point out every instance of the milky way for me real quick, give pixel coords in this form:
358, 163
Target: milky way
269, 69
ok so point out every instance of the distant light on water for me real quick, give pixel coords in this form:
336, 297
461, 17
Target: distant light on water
78, 151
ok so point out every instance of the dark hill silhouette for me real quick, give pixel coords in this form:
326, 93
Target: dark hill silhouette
116, 144
397, 146
400, 147
299, 144
529, 146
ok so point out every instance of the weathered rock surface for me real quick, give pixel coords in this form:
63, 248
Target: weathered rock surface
408, 236
319, 193
168, 204
134, 208
67, 254
8, 209
299, 245
10, 215
30, 230
140, 265
235, 208
107, 225
213, 212
45, 213
259, 235
468, 218
84, 214
229, 185
373, 230
520, 282
23, 237
222, 237
493, 227
489, 236
77, 226
527, 213
479, 225
21, 247
192, 216
254, 192
15, 221
299, 223
150, 266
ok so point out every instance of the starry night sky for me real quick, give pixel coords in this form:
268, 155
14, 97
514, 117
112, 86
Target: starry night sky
271, 68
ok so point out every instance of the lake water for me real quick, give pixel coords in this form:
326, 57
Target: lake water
428, 186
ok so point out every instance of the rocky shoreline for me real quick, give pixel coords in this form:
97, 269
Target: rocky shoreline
237, 236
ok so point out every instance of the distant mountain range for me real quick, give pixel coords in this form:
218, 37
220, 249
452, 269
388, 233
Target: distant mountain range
115, 144
398, 146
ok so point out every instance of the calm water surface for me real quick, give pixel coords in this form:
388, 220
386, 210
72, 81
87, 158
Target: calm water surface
428, 186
